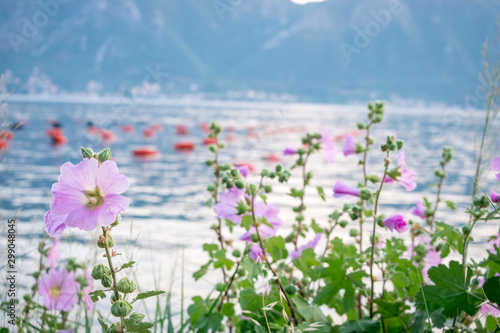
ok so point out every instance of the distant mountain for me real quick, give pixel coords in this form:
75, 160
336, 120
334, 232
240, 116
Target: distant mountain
334, 51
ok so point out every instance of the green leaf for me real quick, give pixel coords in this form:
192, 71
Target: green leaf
450, 204
202, 271
221, 260
360, 326
228, 309
390, 309
321, 192
94, 295
247, 222
264, 198
196, 309
127, 265
400, 281
210, 248
294, 193
133, 326
276, 247
492, 289
451, 291
438, 319
311, 313
147, 294
418, 319
317, 229
104, 326
451, 236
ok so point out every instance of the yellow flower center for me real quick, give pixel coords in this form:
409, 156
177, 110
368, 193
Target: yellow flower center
55, 292
95, 198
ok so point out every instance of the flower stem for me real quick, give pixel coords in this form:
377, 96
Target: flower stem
110, 263
375, 209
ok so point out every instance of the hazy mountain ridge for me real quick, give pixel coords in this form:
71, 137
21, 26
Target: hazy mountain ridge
429, 50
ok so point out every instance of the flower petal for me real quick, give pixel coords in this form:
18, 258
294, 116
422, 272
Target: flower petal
109, 179
81, 176
66, 199
82, 218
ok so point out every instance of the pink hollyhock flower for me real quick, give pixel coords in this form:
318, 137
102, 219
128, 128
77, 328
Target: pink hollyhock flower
419, 210
311, 244
495, 166
341, 189
432, 258
494, 243
495, 198
59, 290
244, 170
327, 147
54, 225
88, 194
396, 222
289, 151
349, 145
53, 254
86, 291
256, 253
407, 178
420, 240
270, 213
489, 310
226, 208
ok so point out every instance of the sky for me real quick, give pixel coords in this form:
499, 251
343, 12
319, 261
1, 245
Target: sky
301, 2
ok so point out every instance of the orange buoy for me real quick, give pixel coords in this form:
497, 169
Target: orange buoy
94, 130
184, 146
4, 145
148, 133
231, 137
181, 130
209, 141
128, 129
205, 127
273, 158
108, 135
6, 135
145, 152
156, 127
57, 136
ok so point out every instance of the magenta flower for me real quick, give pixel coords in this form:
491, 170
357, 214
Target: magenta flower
495, 198
86, 291
489, 310
53, 253
327, 147
244, 170
495, 242
419, 210
88, 194
432, 258
495, 166
349, 145
396, 222
256, 253
59, 290
407, 178
311, 244
341, 189
226, 208
289, 151
270, 213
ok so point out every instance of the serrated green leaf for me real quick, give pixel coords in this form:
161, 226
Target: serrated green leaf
388, 309
311, 313
247, 222
147, 294
94, 295
104, 326
360, 326
202, 271
127, 265
317, 229
276, 247
133, 326
228, 309
210, 248
492, 289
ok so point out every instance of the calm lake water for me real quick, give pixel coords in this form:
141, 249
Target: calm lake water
167, 218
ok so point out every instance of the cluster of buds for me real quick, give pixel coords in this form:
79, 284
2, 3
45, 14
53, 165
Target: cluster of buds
282, 174
104, 155
391, 144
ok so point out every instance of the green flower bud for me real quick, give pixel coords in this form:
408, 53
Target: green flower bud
254, 238
229, 184
104, 155
236, 253
212, 148
234, 173
439, 173
264, 172
399, 143
447, 154
209, 162
361, 126
306, 280
301, 151
365, 194
272, 175
220, 287
99, 271
466, 229
374, 178
107, 281
117, 221
87, 152
354, 233
113, 328
241, 272
343, 223
279, 168
239, 184
210, 188
290, 289
121, 308
110, 240
384, 147
253, 189
371, 140
378, 118
137, 317
126, 286
268, 188
222, 145
113, 298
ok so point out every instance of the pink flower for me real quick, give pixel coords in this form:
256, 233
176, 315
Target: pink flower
327, 147
407, 178
495, 198
396, 222
349, 145
54, 225
432, 258
489, 310
419, 210
53, 254
495, 166
244, 170
311, 244
270, 214
289, 151
341, 189
86, 291
59, 290
88, 195
226, 208
495, 242
256, 253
